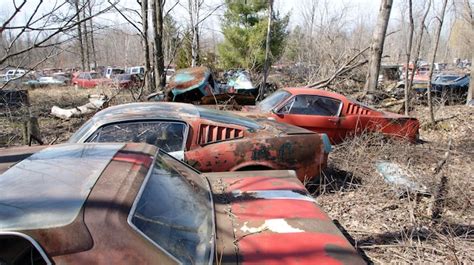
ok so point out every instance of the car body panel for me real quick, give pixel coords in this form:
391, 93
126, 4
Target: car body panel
89, 80
227, 145
352, 118
271, 213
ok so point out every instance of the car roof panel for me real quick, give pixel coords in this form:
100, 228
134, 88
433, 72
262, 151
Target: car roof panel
49, 188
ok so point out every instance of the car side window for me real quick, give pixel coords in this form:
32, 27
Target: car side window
312, 105
81, 76
168, 136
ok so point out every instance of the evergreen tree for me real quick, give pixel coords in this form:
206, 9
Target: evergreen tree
245, 28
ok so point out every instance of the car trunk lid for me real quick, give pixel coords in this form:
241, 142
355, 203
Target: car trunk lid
268, 217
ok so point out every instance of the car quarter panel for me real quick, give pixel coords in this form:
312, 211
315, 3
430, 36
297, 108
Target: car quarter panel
304, 153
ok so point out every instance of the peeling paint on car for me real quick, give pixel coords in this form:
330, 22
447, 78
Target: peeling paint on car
274, 225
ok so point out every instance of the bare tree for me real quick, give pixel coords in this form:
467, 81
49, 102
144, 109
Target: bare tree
418, 45
158, 58
440, 19
376, 48
79, 34
267, 48
408, 54
470, 18
146, 47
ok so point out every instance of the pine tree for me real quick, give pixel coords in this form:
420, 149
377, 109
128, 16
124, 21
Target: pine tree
245, 28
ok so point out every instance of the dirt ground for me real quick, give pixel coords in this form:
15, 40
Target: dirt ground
387, 224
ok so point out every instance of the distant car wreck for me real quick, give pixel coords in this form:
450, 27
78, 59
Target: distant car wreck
331, 113
211, 140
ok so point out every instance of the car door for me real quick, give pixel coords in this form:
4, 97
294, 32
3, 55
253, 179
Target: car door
315, 113
169, 136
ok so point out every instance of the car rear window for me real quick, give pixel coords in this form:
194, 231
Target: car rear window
228, 118
174, 210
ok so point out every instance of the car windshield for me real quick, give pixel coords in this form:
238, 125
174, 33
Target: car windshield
273, 100
174, 210
228, 118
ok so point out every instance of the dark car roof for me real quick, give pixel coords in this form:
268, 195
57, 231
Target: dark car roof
49, 188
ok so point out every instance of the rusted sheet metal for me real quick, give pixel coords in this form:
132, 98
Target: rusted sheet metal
275, 221
352, 118
196, 82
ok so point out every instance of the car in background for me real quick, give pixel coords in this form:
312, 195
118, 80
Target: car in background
110, 72
133, 204
15, 73
331, 113
127, 81
89, 80
136, 70
210, 140
451, 87
45, 81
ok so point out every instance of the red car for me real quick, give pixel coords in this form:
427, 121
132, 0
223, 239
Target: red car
331, 113
210, 140
89, 80
132, 204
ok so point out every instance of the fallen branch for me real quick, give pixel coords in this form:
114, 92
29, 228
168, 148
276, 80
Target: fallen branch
96, 102
346, 67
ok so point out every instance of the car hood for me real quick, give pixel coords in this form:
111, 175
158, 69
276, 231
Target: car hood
268, 217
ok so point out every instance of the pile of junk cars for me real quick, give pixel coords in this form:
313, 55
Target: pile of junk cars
176, 183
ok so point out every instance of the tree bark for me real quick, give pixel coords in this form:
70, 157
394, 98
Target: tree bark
418, 46
408, 54
194, 8
94, 54
266, 67
158, 59
376, 50
86, 36
433, 58
79, 34
146, 47
470, 92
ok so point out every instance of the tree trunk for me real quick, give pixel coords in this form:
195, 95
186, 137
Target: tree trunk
159, 64
94, 54
433, 58
470, 92
79, 34
148, 87
376, 50
86, 36
266, 67
408, 54
418, 46
194, 18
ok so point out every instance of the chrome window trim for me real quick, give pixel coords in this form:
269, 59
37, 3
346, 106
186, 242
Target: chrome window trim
33, 242
86, 137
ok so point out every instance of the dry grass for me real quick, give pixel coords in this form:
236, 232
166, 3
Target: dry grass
410, 228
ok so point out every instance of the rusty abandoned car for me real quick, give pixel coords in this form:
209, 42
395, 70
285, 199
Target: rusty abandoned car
332, 113
210, 140
119, 203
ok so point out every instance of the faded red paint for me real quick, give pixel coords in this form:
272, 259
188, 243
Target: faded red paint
289, 229
353, 119
89, 83
290, 249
